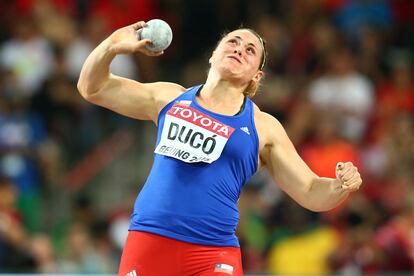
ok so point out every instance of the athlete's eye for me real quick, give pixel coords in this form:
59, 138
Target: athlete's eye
232, 41
251, 50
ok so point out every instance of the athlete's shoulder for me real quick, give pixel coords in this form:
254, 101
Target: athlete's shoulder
168, 88
266, 124
165, 92
262, 117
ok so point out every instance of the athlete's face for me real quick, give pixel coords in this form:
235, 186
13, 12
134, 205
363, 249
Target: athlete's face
238, 55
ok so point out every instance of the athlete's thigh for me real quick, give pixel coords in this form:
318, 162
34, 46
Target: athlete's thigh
147, 254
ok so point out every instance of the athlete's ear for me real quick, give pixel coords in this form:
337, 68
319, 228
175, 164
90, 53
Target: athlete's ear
258, 76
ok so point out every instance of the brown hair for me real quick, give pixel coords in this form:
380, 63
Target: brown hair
251, 89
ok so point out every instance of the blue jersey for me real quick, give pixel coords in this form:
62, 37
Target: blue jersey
202, 160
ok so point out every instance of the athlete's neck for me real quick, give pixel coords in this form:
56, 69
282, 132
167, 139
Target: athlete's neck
218, 101
219, 92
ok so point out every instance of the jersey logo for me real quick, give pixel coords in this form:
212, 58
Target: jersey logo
192, 136
132, 273
245, 129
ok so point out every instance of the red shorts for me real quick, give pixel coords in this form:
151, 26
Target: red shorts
148, 254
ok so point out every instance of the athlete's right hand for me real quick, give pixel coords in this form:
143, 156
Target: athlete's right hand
125, 41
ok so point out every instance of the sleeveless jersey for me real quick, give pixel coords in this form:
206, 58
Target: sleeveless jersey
202, 160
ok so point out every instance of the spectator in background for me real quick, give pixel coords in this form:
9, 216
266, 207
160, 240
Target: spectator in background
356, 225
54, 22
393, 243
277, 38
21, 135
395, 95
389, 162
344, 92
27, 55
82, 256
400, 145
326, 145
92, 32
82, 214
372, 55
14, 256
353, 17
299, 245
403, 19
43, 254
324, 40
118, 13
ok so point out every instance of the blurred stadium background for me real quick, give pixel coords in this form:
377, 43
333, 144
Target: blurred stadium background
339, 77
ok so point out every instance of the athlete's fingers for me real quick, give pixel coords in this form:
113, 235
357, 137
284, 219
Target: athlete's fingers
349, 174
354, 183
142, 43
150, 53
138, 25
352, 186
339, 167
343, 168
347, 166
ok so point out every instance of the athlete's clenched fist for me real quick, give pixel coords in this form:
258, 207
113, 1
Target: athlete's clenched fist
349, 176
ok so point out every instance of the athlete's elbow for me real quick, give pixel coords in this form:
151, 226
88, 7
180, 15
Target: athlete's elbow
316, 203
310, 205
86, 91
82, 87
82, 91
317, 208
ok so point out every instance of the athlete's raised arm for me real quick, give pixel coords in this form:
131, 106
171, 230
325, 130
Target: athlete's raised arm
125, 96
293, 175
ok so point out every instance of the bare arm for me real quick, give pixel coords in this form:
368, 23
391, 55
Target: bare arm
127, 97
292, 174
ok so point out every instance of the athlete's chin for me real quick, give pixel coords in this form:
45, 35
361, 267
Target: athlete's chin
230, 72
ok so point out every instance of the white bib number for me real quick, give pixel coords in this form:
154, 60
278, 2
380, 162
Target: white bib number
192, 136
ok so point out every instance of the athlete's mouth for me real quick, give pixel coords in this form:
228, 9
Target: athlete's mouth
235, 58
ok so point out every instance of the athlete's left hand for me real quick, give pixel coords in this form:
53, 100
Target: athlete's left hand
349, 176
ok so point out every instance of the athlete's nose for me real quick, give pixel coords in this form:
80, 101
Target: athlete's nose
238, 51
